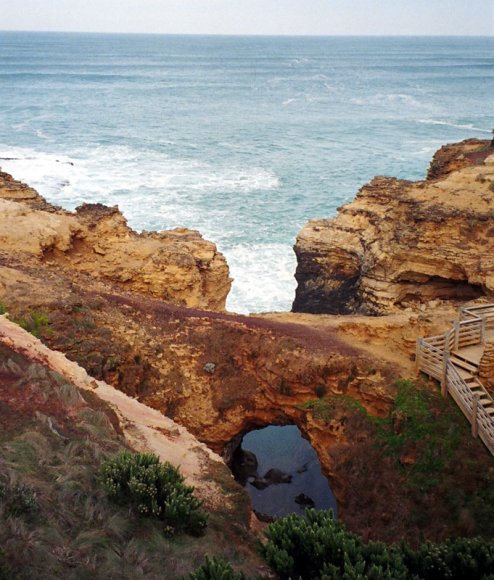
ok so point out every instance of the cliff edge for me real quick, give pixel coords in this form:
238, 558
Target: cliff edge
402, 244
177, 266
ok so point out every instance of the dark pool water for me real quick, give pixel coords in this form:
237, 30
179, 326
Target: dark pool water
284, 449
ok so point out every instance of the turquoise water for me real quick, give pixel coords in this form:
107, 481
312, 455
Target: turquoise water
242, 138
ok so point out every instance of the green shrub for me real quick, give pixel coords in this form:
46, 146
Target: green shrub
216, 569
461, 558
154, 490
317, 547
36, 323
3, 308
19, 500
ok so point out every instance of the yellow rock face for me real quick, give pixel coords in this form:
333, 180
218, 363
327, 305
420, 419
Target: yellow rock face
177, 266
402, 243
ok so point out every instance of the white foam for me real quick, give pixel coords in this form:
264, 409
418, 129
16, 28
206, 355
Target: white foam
264, 277
468, 126
382, 99
155, 191
104, 173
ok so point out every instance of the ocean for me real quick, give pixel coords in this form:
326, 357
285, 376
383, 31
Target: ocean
242, 138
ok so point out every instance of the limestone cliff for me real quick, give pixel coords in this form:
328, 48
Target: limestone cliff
177, 266
402, 243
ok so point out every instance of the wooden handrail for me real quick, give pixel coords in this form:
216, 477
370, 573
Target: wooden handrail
433, 357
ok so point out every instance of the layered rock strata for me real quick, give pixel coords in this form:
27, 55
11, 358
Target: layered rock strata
177, 266
486, 366
402, 243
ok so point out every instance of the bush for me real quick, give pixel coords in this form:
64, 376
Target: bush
37, 323
19, 500
154, 490
317, 547
458, 559
216, 570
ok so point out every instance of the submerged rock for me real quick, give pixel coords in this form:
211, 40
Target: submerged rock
272, 477
304, 500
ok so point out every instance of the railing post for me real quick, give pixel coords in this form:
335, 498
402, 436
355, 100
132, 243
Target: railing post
475, 420
457, 334
418, 347
482, 330
444, 378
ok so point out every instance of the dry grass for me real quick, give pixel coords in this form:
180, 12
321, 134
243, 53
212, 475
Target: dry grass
53, 440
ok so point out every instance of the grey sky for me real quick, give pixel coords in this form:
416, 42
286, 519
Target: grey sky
323, 17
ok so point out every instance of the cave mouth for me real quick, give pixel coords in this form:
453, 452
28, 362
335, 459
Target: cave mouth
281, 472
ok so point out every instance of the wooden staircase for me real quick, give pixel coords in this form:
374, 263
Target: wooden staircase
453, 358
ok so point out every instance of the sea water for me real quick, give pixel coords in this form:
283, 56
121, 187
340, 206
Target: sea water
283, 448
242, 138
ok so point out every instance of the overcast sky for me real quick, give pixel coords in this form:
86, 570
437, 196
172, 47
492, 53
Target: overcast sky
319, 17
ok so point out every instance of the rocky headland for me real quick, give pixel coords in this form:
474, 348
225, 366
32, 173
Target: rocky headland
145, 314
401, 244
176, 266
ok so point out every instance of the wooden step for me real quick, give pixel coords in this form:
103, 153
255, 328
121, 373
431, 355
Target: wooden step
466, 376
458, 362
470, 358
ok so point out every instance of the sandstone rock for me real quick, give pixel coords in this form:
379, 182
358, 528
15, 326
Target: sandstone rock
23, 230
486, 366
177, 266
402, 243
455, 156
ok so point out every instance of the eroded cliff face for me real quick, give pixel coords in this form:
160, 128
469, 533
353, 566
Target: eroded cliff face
221, 375
177, 266
401, 244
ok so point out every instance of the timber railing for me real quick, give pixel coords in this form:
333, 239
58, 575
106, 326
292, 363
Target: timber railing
440, 357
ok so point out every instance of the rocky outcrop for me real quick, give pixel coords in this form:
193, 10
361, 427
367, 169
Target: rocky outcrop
486, 365
402, 243
177, 266
456, 156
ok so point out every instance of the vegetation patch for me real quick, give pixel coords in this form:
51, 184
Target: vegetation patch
216, 569
36, 322
416, 473
18, 500
422, 433
317, 547
56, 520
154, 489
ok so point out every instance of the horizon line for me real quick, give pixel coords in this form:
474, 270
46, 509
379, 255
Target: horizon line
258, 35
